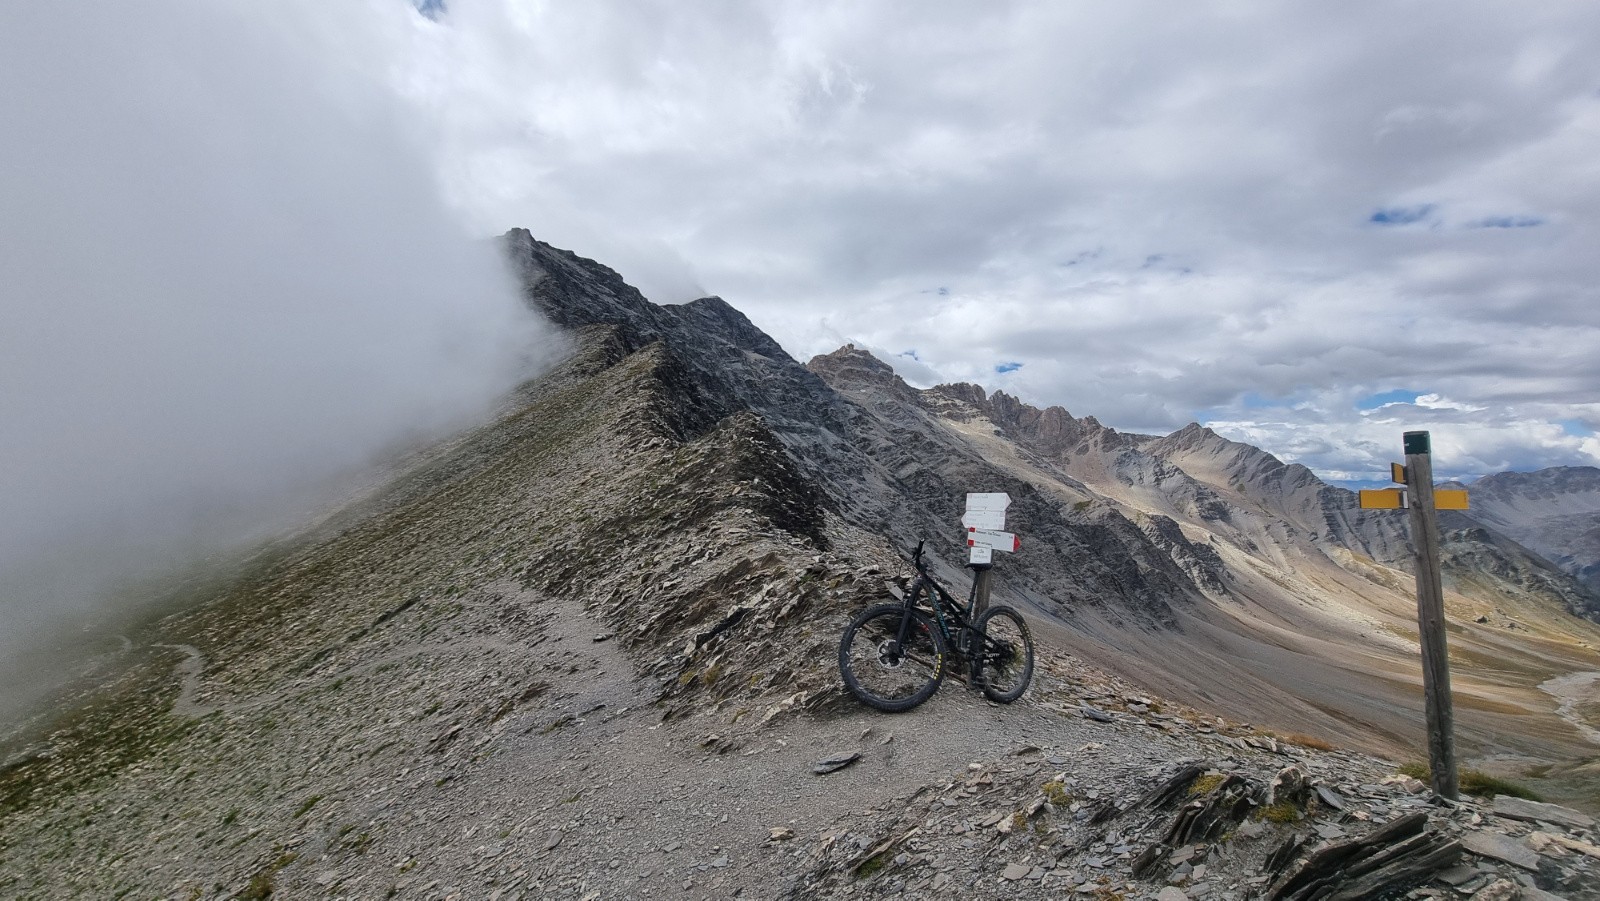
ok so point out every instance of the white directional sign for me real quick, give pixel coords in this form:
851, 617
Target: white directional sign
992, 538
985, 517
986, 511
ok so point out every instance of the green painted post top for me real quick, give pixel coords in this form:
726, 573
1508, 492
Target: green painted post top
1418, 443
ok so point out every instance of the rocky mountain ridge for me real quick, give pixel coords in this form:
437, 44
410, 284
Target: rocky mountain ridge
587, 651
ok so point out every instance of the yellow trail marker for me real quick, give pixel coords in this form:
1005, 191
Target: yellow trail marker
1397, 473
1449, 499
1383, 499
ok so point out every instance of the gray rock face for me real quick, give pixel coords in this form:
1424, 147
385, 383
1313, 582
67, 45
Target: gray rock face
1469, 551
1555, 512
1314, 511
860, 433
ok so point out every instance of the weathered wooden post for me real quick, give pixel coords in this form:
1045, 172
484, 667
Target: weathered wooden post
981, 578
1430, 616
1423, 503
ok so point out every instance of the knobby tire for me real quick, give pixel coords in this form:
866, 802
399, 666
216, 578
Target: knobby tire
1004, 659
880, 672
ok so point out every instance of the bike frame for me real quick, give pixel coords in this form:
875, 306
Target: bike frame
942, 603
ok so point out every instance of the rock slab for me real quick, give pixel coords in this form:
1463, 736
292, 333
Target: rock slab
1490, 844
1534, 811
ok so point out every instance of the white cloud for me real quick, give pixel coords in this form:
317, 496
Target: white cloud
1437, 402
1159, 212
227, 277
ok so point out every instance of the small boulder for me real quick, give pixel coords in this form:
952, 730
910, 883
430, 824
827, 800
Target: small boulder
1290, 786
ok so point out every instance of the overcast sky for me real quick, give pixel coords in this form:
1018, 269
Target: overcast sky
1312, 226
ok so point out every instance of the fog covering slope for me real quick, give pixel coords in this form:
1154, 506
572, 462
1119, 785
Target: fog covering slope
226, 278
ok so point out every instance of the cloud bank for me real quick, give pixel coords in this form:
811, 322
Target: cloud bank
1255, 217
227, 278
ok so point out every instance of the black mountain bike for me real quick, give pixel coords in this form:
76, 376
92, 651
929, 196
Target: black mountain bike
892, 656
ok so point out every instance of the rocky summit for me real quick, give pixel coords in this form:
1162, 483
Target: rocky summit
589, 649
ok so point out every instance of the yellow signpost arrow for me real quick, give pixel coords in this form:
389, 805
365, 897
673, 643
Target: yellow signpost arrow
1383, 499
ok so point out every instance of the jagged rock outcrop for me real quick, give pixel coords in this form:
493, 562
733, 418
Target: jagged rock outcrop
734, 365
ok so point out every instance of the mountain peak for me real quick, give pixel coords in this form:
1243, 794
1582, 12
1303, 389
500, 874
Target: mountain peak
1193, 435
850, 364
966, 392
573, 291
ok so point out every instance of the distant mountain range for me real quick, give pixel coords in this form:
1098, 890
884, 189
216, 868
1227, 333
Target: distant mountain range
680, 507
1555, 512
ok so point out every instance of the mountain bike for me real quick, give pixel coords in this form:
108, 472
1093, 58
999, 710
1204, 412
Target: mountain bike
892, 656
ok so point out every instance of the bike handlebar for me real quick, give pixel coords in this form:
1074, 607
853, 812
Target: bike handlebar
916, 558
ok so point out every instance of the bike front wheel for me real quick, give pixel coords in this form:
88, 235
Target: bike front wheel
1004, 662
883, 670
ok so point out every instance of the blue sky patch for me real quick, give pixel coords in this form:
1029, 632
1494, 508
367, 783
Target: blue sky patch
1575, 427
1008, 367
1359, 484
912, 353
1402, 215
1508, 222
1397, 396
1250, 400
433, 9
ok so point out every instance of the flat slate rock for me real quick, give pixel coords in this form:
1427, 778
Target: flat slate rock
1096, 714
1457, 875
836, 762
1534, 811
1499, 847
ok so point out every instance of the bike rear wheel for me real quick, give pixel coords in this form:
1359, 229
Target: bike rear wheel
1004, 662
881, 670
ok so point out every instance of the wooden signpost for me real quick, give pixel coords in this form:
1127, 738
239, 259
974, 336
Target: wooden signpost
985, 520
1422, 502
